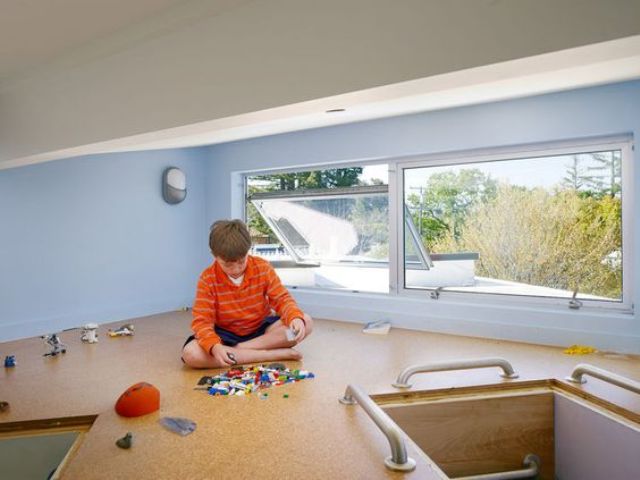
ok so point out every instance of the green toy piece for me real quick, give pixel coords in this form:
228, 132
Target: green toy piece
126, 441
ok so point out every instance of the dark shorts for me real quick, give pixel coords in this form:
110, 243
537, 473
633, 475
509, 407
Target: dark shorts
231, 339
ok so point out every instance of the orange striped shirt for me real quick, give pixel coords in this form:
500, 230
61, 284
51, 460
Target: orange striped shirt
239, 308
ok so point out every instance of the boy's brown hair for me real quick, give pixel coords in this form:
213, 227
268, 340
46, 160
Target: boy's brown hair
229, 239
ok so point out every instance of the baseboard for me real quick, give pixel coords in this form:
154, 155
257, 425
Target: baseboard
40, 326
621, 334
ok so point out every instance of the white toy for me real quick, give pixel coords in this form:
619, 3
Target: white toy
291, 334
90, 333
56, 345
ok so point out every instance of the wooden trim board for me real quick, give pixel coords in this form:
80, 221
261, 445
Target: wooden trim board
482, 435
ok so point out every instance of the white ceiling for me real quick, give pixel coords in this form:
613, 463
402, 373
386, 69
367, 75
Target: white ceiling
602, 63
34, 32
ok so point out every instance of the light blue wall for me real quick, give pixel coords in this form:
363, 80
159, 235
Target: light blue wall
592, 112
90, 239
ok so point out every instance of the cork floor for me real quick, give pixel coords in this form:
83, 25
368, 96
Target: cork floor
307, 435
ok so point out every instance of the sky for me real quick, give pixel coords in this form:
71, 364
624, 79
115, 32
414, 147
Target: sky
545, 172
530, 173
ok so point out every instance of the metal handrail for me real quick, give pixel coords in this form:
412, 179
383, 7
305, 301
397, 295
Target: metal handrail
398, 459
605, 375
531, 463
403, 378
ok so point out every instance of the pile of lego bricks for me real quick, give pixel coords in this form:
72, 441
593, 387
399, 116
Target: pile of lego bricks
244, 381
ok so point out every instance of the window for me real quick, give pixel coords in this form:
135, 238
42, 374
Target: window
548, 225
323, 228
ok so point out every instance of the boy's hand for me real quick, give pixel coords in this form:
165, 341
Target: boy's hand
223, 354
298, 326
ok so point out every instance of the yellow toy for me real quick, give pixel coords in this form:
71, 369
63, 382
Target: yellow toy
123, 331
579, 350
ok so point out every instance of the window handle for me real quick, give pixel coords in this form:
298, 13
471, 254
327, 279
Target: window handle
574, 303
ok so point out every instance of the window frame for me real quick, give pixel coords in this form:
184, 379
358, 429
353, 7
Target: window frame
312, 194
398, 164
242, 179
624, 144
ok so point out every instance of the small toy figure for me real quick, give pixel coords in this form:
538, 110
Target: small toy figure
9, 361
123, 331
126, 441
90, 333
232, 357
291, 334
56, 345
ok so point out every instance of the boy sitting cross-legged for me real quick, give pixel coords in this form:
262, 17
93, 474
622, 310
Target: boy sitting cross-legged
232, 312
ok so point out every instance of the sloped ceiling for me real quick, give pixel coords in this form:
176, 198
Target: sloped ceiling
33, 32
197, 72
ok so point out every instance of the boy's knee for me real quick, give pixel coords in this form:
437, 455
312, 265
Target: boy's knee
191, 356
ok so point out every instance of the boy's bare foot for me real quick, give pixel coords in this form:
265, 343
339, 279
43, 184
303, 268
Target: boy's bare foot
285, 354
195, 357
246, 355
255, 356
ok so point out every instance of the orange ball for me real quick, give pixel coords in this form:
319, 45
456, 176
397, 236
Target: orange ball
138, 399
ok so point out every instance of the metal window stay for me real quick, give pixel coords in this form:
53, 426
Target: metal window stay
322, 194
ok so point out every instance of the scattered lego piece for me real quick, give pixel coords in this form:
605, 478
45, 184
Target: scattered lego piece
9, 361
240, 381
126, 441
291, 334
4, 406
89, 333
181, 426
579, 350
123, 331
56, 345
139, 399
286, 395
381, 327
264, 396
235, 372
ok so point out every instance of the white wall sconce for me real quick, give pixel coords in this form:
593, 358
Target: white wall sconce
174, 185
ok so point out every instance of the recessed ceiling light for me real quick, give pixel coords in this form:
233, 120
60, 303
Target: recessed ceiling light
335, 110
